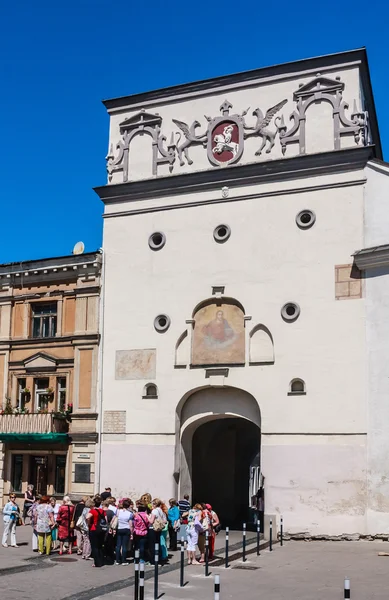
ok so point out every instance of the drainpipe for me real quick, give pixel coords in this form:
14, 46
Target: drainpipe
100, 371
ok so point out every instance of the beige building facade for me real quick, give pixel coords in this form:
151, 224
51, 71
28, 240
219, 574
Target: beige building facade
235, 347
49, 352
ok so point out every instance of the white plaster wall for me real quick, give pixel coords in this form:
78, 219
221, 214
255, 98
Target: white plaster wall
262, 94
318, 483
376, 204
266, 262
377, 332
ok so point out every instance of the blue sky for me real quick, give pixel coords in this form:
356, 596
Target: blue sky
59, 59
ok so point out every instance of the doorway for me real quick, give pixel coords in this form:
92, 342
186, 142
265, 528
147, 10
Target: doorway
38, 474
223, 450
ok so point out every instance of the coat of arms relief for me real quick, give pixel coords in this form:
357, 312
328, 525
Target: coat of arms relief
223, 137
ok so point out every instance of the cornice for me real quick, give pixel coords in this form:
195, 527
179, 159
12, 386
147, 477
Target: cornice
53, 342
372, 258
297, 167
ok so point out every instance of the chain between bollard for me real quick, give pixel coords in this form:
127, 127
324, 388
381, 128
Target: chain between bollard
206, 553
182, 561
217, 588
244, 542
227, 540
156, 561
141, 581
136, 567
271, 536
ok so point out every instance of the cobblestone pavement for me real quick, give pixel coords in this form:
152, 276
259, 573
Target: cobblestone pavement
298, 571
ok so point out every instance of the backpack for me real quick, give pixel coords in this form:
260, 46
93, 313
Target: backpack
101, 525
160, 521
141, 526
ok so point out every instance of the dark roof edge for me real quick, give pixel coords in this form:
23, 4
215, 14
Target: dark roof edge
73, 258
215, 82
296, 167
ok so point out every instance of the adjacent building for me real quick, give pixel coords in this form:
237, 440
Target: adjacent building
244, 339
49, 345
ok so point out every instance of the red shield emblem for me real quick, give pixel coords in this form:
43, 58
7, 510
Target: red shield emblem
225, 141
225, 137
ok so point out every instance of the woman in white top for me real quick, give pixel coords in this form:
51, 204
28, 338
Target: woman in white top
123, 533
157, 520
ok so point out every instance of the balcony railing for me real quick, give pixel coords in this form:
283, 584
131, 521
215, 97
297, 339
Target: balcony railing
33, 423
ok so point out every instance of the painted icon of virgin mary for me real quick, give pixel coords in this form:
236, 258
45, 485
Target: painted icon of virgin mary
218, 333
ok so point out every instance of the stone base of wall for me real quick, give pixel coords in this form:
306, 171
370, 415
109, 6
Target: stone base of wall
344, 537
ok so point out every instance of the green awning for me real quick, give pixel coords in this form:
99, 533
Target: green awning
31, 438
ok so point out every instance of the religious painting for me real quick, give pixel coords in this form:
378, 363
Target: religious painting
218, 336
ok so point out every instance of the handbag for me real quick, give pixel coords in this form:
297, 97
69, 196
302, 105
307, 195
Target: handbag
159, 522
80, 522
114, 523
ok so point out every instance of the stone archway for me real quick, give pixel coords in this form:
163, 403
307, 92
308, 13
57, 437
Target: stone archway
219, 442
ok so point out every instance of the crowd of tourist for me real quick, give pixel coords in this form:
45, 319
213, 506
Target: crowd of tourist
108, 531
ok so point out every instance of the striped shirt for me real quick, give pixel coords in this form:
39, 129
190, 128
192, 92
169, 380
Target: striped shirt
184, 506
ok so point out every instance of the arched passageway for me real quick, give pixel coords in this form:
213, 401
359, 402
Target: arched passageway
223, 451
219, 443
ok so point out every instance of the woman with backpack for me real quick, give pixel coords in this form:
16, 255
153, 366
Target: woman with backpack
157, 520
141, 530
98, 527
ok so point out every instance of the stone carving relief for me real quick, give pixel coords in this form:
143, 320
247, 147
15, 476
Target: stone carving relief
224, 136
140, 124
324, 89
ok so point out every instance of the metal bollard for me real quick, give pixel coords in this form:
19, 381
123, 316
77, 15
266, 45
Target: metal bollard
206, 553
271, 536
227, 539
136, 566
141, 581
244, 542
258, 535
347, 590
217, 588
156, 561
282, 531
182, 552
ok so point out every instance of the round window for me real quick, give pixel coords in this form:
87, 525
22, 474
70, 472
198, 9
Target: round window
157, 240
290, 311
221, 233
162, 323
305, 219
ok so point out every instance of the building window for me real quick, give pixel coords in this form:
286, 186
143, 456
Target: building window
150, 391
23, 394
61, 393
16, 475
42, 394
297, 388
60, 470
82, 473
44, 319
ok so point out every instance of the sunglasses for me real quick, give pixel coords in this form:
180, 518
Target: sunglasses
13, 497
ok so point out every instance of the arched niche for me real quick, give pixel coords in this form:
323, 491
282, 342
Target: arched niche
182, 350
319, 127
218, 333
261, 345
